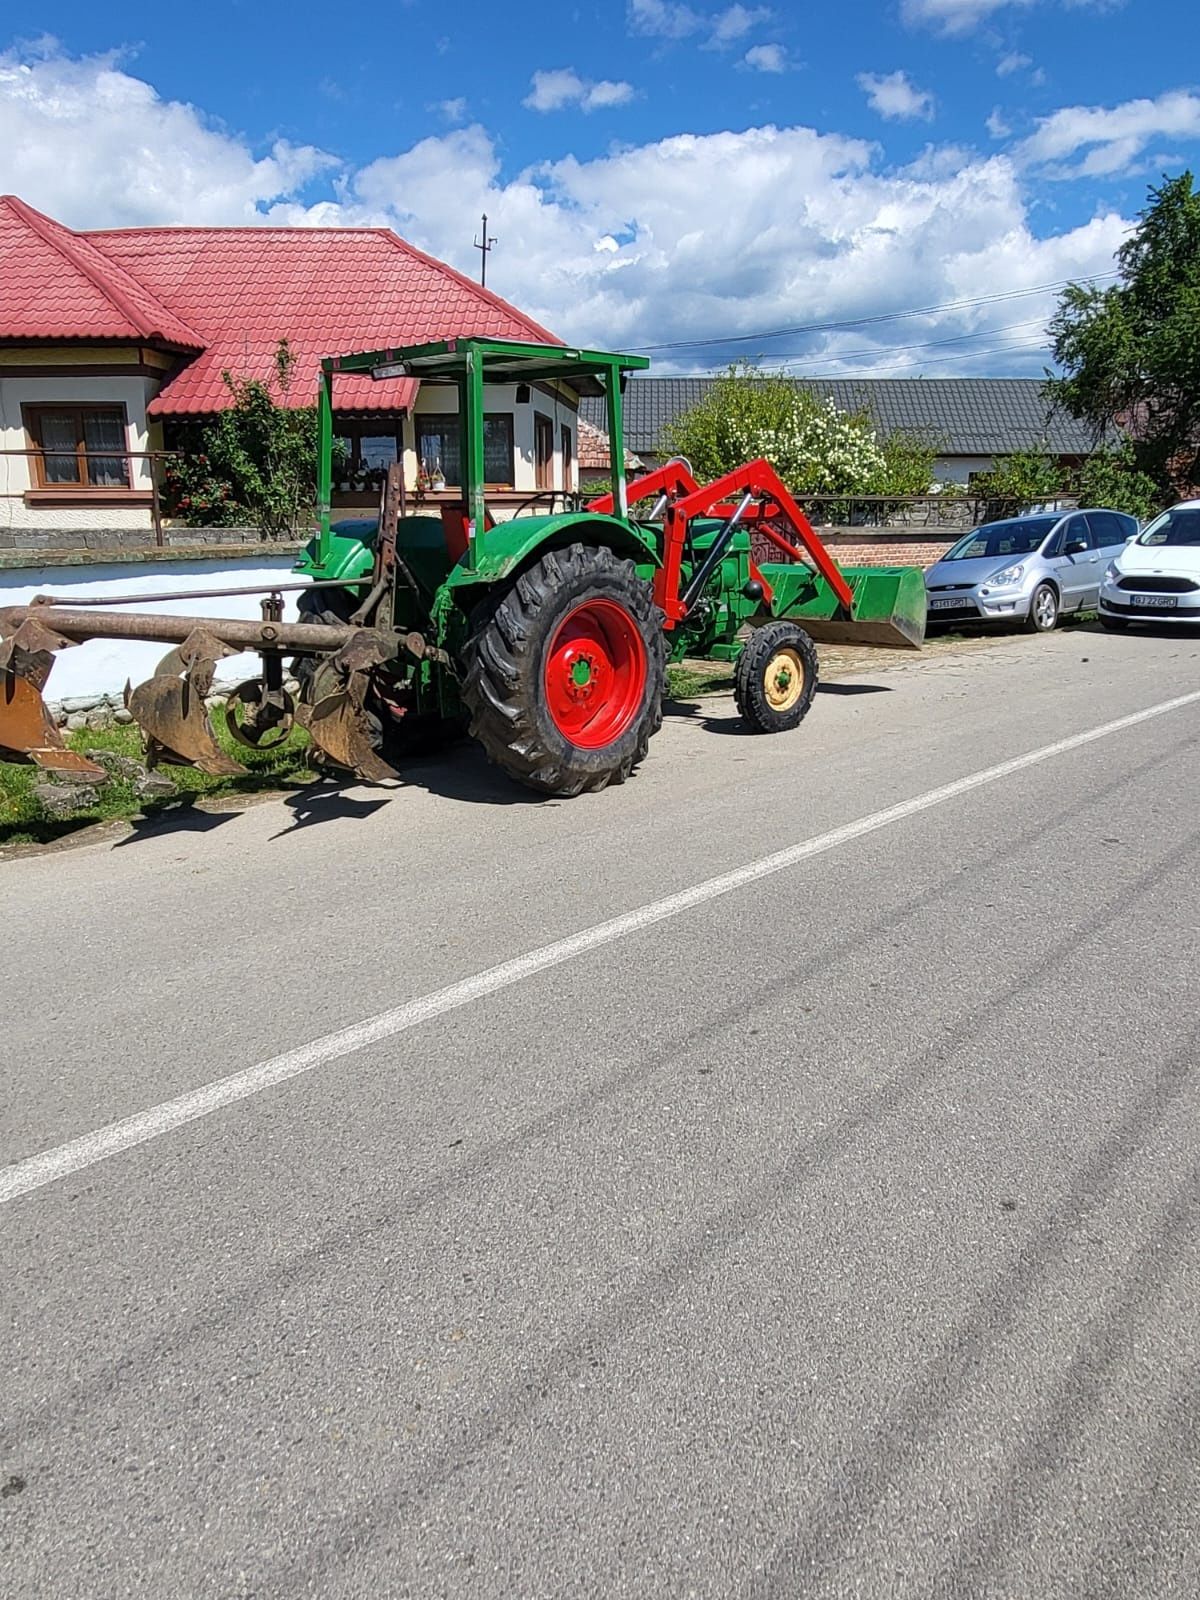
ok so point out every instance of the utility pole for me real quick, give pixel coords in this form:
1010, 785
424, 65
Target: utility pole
484, 247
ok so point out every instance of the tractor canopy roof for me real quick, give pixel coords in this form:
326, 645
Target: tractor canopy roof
501, 360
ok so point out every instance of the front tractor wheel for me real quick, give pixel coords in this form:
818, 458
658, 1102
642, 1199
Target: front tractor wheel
564, 672
776, 677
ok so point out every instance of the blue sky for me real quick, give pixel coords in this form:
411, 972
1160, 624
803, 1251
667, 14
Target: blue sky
655, 172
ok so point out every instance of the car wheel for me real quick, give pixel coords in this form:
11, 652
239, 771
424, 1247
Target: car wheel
1043, 609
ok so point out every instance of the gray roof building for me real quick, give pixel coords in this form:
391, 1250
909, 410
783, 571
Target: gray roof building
973, 418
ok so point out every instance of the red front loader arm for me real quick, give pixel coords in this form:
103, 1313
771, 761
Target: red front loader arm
671, 479
775, 504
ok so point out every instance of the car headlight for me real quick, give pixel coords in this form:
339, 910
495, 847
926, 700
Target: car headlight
1009, 575
1112, 572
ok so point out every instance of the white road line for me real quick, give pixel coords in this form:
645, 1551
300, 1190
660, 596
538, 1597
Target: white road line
50, 1165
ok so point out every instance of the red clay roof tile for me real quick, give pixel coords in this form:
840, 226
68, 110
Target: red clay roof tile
328, 291
233, 293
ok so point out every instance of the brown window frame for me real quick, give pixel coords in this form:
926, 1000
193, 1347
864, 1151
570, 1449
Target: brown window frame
543, 461
503, 419
568, 477
31, 416
355, 429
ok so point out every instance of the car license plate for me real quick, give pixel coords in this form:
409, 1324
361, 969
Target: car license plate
947, 605
1160, 602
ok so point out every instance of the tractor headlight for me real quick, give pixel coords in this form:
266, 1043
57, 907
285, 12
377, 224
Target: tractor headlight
1008, 576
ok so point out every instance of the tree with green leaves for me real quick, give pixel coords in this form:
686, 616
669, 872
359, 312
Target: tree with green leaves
1130, 353
256, 462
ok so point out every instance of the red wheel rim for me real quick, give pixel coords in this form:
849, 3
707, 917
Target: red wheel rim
595, 674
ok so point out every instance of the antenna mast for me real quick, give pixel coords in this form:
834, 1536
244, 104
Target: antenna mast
484, 246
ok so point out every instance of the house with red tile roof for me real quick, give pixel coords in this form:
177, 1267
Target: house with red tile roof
113, 344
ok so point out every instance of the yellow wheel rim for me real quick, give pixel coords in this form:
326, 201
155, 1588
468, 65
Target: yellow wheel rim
783, 680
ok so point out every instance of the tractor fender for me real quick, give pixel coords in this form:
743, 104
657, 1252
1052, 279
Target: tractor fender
351, 553
509, 546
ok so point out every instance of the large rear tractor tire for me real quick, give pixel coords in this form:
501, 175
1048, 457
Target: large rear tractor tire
565, 671
776, 677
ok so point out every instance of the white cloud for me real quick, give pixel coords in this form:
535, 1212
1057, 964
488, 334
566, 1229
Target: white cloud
895, 96
1012, 62
96, 142
952, 16
733, 24
617, 250
562, 86
669, 19
453, 110
996, 125
963, 16
1113, 137
766, 58
680, 238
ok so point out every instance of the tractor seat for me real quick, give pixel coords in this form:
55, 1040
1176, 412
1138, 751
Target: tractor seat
454, 526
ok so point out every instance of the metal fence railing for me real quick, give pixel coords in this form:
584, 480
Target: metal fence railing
936, 514
95, 476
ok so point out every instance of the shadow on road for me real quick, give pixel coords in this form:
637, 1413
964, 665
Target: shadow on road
854, 688
184, 818
329, 803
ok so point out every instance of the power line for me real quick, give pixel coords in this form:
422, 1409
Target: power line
922, 344
916, 368
862, 322
1019, 346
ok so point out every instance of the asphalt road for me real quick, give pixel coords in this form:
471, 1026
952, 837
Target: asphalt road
833, 1235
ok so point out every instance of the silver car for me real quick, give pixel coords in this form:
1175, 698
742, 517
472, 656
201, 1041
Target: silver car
1029, 569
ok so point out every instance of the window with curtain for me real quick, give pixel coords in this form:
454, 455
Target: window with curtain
75, 442
438, 446
367, 450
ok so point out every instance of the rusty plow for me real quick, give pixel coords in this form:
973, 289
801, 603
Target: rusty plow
27, 730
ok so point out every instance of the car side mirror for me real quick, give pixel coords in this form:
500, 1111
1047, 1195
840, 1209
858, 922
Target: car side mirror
1075, 547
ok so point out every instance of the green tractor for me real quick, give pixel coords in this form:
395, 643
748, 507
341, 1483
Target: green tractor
545, 636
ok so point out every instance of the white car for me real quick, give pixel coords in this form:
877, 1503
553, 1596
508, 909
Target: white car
1156, 577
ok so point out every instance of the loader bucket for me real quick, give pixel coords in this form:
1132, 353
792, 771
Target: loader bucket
888, 608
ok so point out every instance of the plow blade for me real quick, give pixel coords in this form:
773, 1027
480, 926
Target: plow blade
338, 724
888, 609
27, 732
170, 710
178, 733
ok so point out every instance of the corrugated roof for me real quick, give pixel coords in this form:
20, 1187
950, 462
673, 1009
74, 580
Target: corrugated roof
58, 285
328, 291
963, 416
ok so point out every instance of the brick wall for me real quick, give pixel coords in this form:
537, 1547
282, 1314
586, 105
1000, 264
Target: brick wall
873, 547
855, 550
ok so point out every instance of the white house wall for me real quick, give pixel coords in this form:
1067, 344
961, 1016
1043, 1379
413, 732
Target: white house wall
16, 472
104, 666
440, 399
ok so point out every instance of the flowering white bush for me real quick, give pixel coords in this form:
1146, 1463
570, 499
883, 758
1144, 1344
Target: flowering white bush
815, 447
